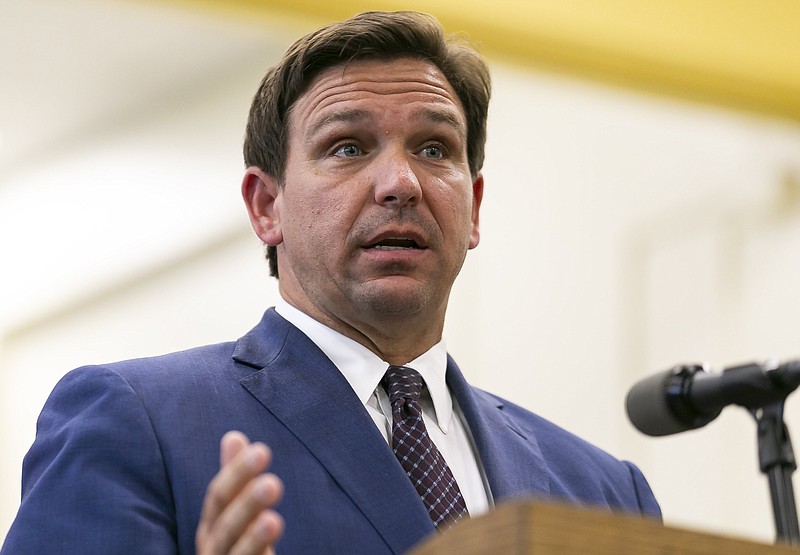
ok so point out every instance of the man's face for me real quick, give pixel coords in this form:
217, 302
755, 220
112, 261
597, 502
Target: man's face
378, 208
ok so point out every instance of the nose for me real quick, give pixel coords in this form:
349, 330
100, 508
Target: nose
396, 183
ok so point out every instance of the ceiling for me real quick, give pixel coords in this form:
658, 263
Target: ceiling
71, 68
742, 54
74, 68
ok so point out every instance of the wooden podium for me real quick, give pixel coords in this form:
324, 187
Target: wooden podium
539, 528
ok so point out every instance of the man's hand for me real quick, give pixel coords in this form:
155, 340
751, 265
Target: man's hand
238, 516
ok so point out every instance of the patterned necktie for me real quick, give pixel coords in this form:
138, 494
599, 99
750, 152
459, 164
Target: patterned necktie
415, 450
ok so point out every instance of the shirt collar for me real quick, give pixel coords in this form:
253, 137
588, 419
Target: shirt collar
364, 370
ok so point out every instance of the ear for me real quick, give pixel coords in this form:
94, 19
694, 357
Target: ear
261, 194
477, 197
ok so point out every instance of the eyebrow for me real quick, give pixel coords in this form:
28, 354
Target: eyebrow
355, 115
443, 116
352, 115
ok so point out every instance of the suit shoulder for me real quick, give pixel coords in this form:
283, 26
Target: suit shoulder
191, 360
196, 371
548, 434
579, 470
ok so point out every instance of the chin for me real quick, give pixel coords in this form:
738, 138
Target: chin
409, 302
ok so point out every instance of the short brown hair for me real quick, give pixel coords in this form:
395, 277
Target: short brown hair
370, 35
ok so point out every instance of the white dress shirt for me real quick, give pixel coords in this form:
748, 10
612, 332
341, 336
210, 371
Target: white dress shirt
446, 426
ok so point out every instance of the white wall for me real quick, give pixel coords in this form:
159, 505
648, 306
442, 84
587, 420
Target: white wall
621, 234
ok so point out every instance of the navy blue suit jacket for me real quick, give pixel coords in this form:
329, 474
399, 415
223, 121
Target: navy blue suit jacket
124, 453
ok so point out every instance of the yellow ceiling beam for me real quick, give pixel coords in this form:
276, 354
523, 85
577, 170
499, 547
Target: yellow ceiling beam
743, 54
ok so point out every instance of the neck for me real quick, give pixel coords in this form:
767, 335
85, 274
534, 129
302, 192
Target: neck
395, 338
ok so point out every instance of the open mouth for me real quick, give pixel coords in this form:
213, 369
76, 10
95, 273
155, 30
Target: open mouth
395, 243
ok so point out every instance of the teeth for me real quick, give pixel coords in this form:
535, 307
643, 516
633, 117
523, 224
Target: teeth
394, 243
391, 248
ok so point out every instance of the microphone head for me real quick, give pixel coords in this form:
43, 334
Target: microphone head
647, 408
661, 405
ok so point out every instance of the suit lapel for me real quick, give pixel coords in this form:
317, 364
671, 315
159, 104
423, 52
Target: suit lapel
301, 387
510, 455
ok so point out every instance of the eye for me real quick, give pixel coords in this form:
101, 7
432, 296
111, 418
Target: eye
435, 152
348, 151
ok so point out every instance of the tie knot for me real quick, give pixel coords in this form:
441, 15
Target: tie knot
402, 382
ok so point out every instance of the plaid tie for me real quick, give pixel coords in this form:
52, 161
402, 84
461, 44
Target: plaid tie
415, 450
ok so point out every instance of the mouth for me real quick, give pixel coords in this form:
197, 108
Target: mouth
395, 244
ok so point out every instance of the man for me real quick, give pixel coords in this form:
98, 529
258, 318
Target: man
363, 150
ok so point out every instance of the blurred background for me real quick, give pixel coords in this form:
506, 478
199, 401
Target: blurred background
642, 207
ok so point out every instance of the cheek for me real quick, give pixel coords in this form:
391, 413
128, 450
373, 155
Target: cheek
324, 219
455, 212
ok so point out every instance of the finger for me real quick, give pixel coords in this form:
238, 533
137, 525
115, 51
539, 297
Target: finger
239, 522
231, 444
261, 536
248, 463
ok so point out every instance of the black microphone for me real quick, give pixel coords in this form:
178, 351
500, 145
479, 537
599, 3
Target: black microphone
689, 396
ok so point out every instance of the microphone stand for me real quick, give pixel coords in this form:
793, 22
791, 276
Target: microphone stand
776, 459
694, 398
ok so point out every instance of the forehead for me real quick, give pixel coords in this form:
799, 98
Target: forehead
377, 84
